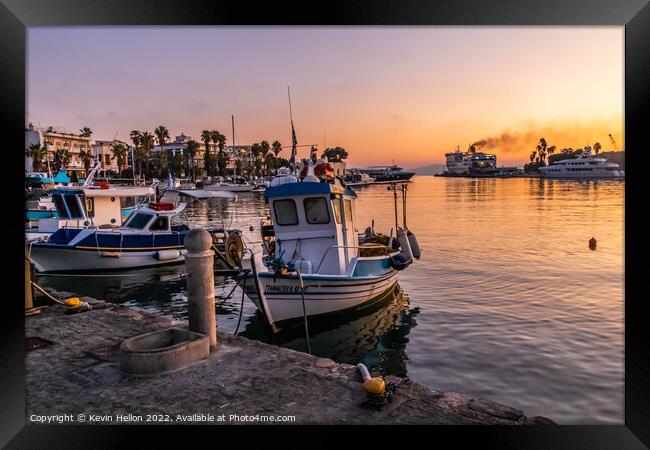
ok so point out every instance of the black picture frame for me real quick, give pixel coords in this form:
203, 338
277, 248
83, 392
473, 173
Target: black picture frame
16, 15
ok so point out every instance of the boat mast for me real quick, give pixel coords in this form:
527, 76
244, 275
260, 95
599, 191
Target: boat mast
234, 176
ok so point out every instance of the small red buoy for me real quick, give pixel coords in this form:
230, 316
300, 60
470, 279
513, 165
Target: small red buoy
592, 243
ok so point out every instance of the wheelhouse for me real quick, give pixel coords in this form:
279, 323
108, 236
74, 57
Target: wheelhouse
313, 224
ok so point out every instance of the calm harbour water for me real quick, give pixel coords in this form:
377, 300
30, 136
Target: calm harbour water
508, 303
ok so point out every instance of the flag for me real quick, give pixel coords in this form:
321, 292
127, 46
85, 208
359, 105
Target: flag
294, 144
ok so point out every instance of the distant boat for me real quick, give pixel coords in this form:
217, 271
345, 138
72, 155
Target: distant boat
382, 174
584, 166
230, 187
354, 178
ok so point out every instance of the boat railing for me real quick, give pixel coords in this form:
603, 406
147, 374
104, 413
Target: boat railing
371, 245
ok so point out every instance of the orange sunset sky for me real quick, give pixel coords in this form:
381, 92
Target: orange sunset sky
407, 94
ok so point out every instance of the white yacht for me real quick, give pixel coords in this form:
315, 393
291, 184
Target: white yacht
584, 166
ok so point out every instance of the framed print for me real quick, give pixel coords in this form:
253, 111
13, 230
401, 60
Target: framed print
417, 214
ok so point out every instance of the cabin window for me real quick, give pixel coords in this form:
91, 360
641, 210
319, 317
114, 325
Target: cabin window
139, 221
60, 206
337, 210
316, 210
348, 212
73, 206
285, 212
160, 224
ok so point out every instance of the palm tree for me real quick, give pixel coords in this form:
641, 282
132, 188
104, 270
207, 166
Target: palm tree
541, 149
86, 132
276, 147
532, 156
192, 147
162, 134
256, 150
206, 137
597, 147
146, 142
141, 159
38, 153
265, 148
136, 136
220, 140
86, 157
62, 157
120, 154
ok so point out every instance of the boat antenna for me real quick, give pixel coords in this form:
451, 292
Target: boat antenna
294, 142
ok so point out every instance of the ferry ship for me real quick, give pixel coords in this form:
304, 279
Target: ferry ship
470, 163
457, 162
584, 166
392, 173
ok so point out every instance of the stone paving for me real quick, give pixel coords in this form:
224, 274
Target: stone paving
79, 373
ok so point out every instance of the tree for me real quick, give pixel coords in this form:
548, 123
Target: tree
136, 138
265, 148
86, 132
120, 153
220, 140
270, 161
146, 142
206, 137
541, 151
192, 148
256, 151
336, 154
141, 160
86, 157
162, 134
61, 157
597, 147
38, 153
276, 147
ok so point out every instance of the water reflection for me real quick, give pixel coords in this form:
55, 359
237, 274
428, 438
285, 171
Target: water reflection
509, 301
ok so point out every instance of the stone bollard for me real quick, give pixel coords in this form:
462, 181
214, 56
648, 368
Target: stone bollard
199, 264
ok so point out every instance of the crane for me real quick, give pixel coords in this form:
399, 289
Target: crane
613, 142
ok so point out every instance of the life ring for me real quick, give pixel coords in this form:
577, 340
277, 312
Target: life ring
234, 250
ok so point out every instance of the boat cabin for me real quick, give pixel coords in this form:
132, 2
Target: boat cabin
313, 223
101, 206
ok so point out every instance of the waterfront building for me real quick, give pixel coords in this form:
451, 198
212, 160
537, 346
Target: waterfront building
103, 151
58, 138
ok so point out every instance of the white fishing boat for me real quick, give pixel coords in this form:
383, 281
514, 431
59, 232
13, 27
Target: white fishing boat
147, 238
317, 264
97, 204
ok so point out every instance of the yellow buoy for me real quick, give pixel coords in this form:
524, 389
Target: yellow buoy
72, 301
374, 386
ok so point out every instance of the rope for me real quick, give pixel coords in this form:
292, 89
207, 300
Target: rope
304, 311
47, 294
241, 305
